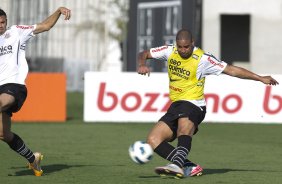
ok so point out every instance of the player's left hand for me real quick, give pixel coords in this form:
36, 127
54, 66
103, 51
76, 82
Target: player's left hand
66, 12
269, 80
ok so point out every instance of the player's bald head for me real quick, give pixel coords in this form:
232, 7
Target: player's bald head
184, 34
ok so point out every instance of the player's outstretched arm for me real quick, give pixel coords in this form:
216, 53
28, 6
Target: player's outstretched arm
48, 23
142, 68
243, 73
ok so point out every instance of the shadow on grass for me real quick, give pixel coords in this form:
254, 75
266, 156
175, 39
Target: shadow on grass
226, 170
48, 169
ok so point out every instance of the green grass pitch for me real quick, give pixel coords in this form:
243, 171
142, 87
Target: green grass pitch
77, 152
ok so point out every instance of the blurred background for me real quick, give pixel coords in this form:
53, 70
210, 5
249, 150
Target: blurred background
106, 35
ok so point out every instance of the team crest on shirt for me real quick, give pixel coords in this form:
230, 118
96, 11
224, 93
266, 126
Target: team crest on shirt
7, 35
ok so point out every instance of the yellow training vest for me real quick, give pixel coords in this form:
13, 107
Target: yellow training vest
183, 83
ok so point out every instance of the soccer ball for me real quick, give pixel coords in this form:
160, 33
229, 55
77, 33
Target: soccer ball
141, 152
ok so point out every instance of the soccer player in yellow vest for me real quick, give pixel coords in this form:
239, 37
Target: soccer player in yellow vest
188, 66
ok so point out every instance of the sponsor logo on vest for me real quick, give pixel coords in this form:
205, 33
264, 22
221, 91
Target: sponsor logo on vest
174, 68
175, 88
173, 80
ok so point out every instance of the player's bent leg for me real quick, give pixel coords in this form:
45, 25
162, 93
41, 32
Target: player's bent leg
159, 133
34, 159
35, 166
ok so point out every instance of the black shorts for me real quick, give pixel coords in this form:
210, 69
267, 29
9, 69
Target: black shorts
182, 109
18, 91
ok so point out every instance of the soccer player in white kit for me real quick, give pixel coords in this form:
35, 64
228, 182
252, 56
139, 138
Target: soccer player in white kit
13, 72
187, 68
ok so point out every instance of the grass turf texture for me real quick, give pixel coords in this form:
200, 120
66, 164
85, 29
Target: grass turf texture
77, 152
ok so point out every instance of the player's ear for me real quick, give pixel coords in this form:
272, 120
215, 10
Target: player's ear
193, 42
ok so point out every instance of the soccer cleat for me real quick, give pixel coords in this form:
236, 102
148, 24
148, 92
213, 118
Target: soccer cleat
195, 170
35, 166
171, 170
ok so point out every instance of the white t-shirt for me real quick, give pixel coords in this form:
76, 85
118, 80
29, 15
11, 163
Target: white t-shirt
13, 64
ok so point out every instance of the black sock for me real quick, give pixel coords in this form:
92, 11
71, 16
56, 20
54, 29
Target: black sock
165, 150
182, 150
18, 146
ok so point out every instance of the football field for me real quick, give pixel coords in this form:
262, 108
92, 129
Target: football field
77, 152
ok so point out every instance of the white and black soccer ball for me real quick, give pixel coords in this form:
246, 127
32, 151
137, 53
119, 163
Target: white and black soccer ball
140, 152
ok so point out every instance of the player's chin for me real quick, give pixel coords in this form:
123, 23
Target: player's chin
184, 56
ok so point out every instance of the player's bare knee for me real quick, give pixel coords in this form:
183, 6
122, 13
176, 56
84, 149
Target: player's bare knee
182, 130
153, 141
185, 131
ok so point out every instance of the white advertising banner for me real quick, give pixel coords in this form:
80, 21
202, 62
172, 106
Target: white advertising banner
129, 97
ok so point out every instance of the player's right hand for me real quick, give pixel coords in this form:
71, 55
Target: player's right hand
143, 70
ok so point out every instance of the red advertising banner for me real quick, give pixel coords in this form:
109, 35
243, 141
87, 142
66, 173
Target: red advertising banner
129, 97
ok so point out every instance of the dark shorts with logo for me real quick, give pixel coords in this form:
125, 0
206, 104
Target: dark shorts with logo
182, 109
18, 91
